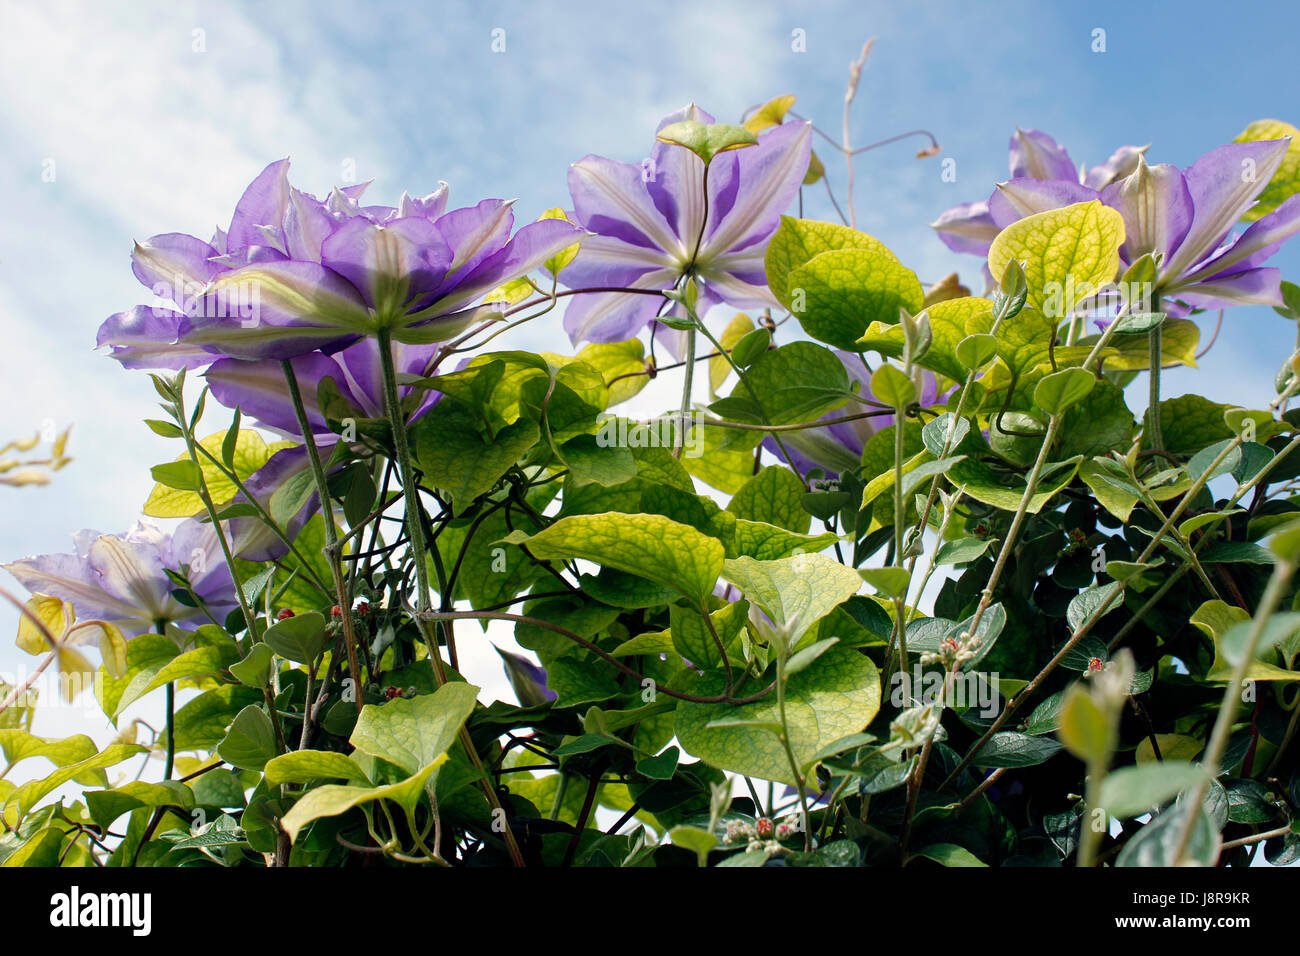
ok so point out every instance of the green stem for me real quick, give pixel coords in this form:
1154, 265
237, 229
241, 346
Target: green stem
332, 552
687, 386
789, 751
415, 531
1283, 571
191, 446
1154, 438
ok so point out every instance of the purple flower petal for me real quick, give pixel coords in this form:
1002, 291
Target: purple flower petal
769, 176
263, 204
967, 228
1156, 206
389, 264
174, 265
1257, 243
147, 337
476, 232
1122, 162
1014, 200
1223, 184
260, 392
1035, 155
610, 198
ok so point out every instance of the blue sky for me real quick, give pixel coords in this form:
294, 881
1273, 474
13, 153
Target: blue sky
149, 133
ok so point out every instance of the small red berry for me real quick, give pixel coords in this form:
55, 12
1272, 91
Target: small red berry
336, 611
764, 827
363, 609
285, 613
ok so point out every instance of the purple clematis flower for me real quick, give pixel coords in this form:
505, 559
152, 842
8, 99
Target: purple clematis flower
838, 448
120, 579
1183, 218
1033, 155
528, 680
294, 274
259, 391
648, 219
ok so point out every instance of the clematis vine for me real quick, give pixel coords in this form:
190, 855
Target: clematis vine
654, 226
294, 274
122, 578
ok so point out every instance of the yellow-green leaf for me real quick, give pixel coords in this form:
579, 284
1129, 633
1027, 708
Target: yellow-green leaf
1067, 253
251, 453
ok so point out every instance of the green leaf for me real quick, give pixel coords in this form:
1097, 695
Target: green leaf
719, 368
1083, 726
698, 841
1097, 425
577, 682
983, 483
947, 430
836, 280
1132, 791
202, 722
1011, 749
794, 592
837, 695
19, 745
889, 582
455, 457
797, 382
694, 641
414, 732
892, 387
106, 806
706, 140
589, 459
1067, 253
308, 766
749, 348
165, 429
962, 550
773, 496
976, 351
177, 475
949, 854
32, 792
332, 800
255, 669
1058, 391
250, 453
766, 542
1157, 843
250, 742
1179, 339
661, 767
650, 546
1084, 604
951, 322
300, 638
1189, 423
1202, 463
